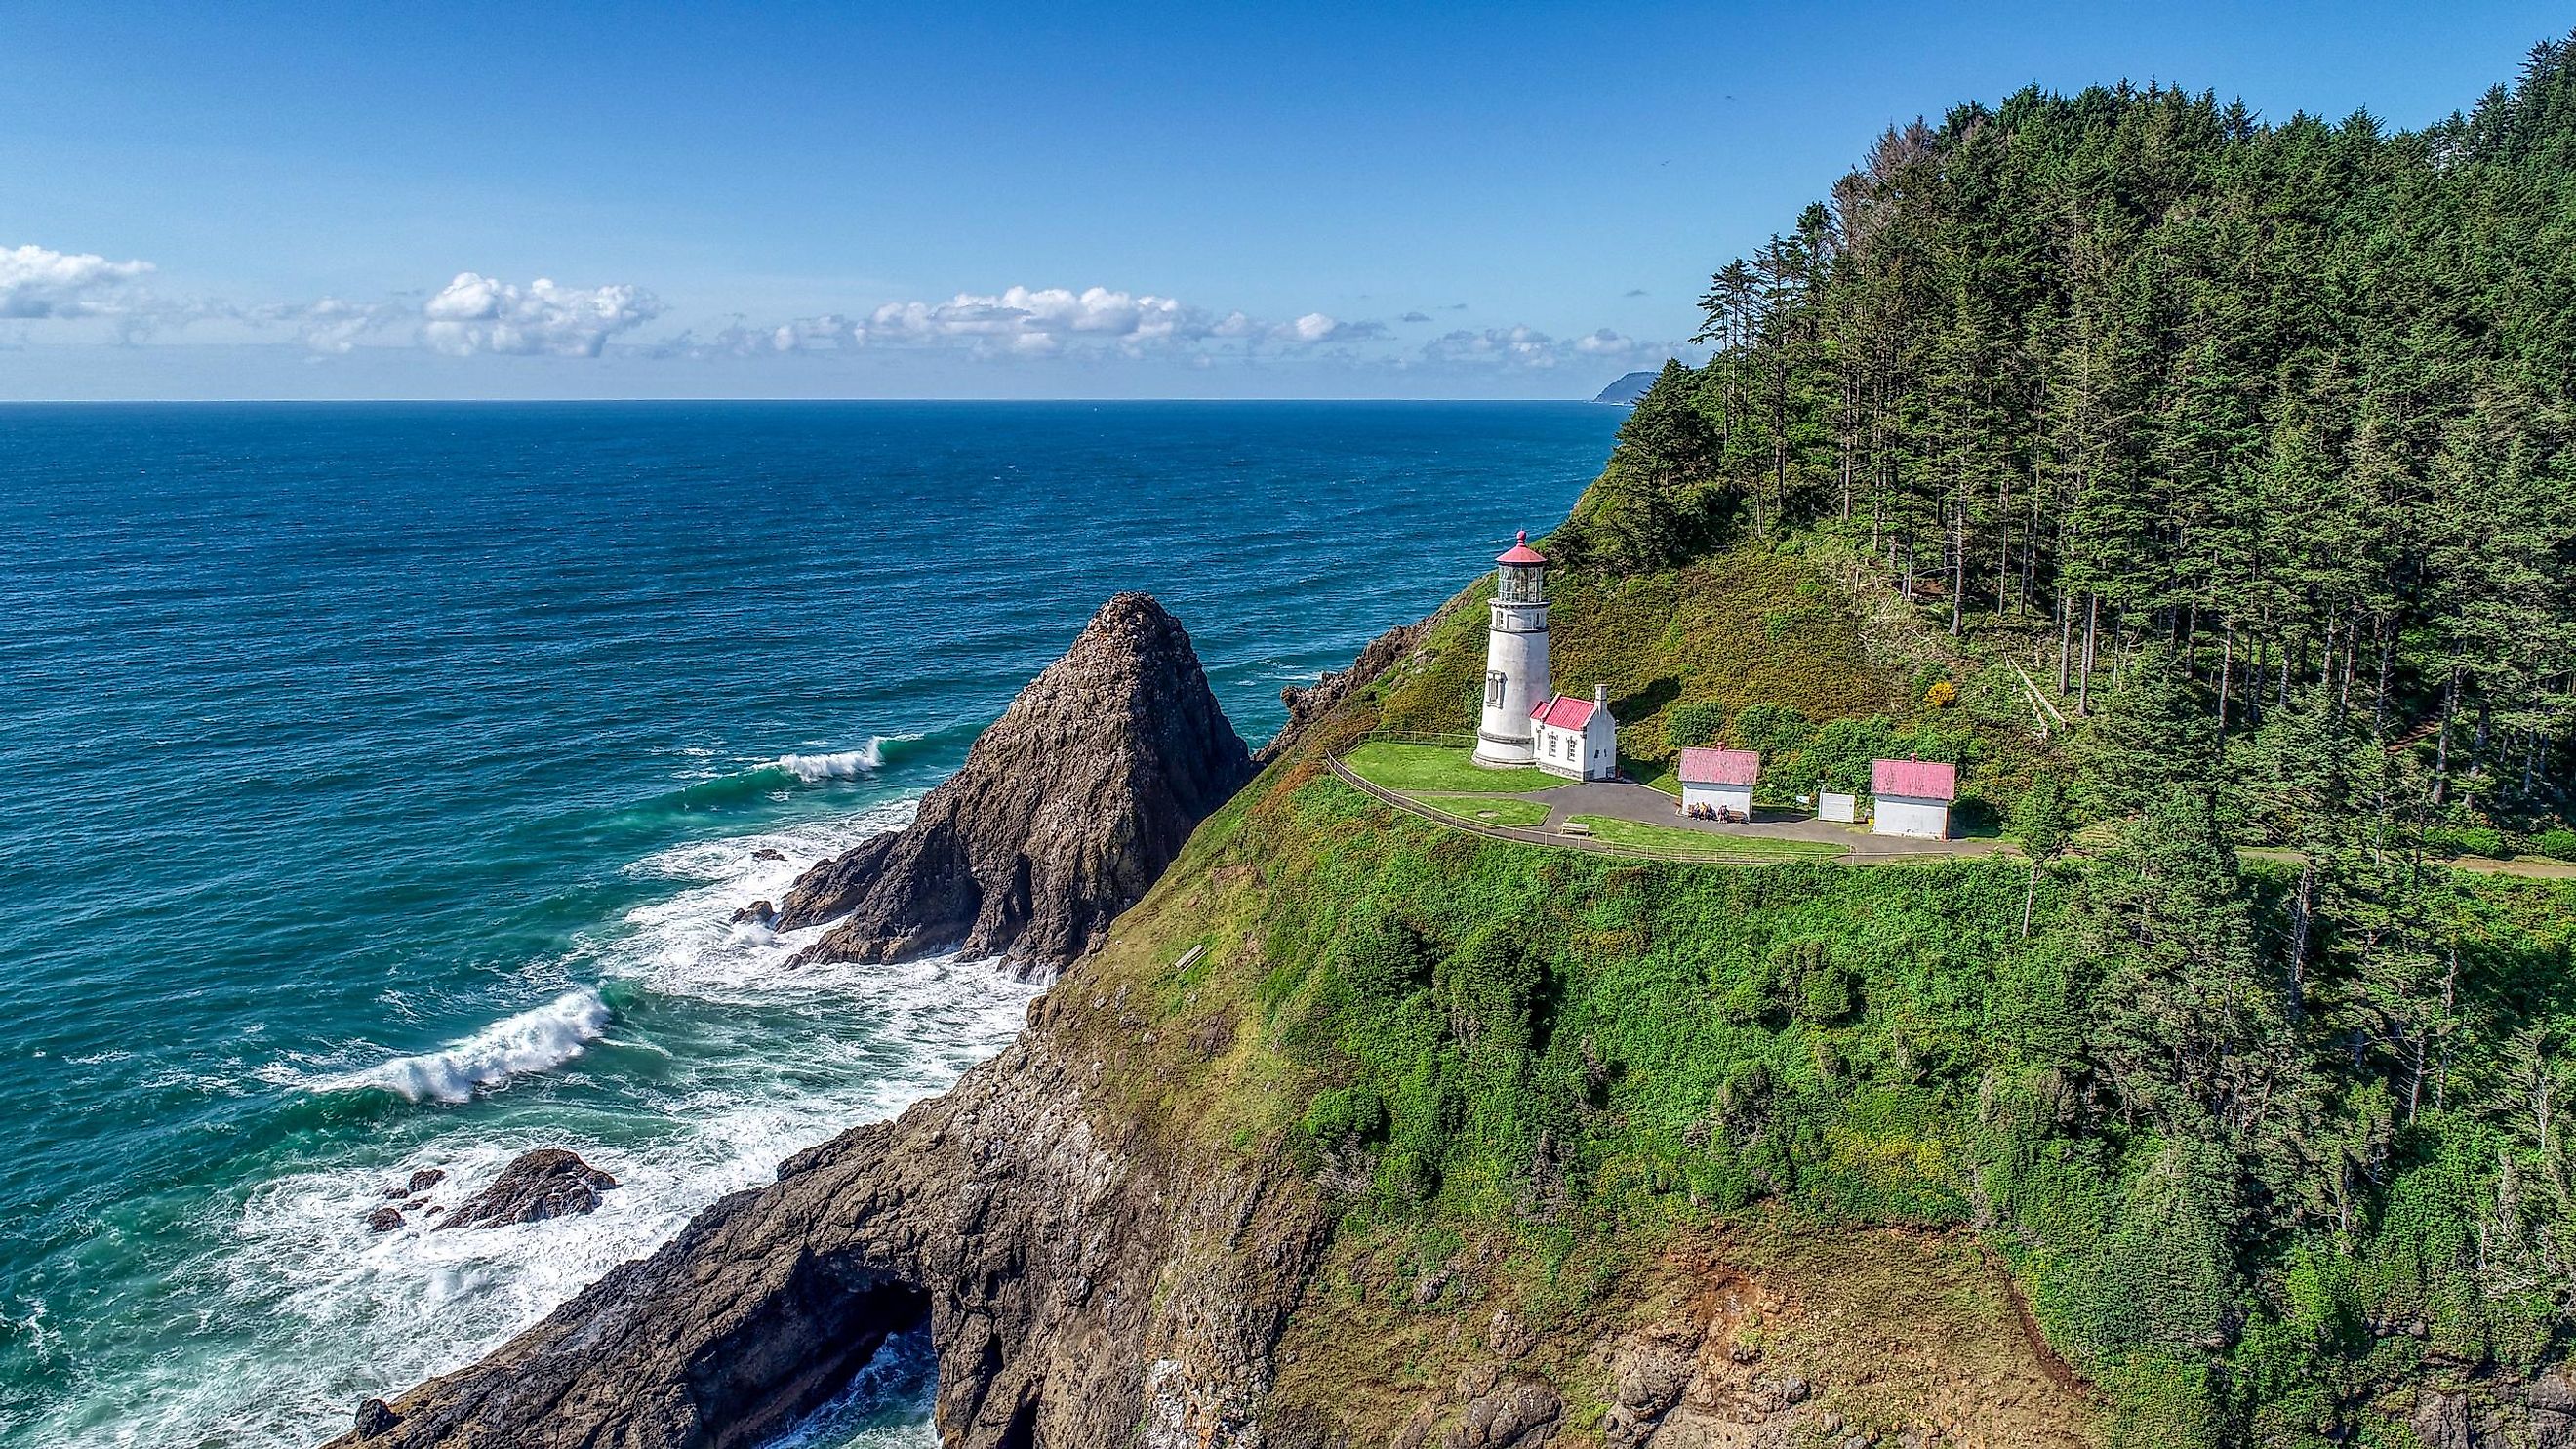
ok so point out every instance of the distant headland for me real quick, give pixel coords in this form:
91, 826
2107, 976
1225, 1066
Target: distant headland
1627, 389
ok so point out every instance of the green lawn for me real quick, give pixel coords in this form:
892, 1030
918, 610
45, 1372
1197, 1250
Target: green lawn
1415, 769
1664, 775
1703, 843
1488, 809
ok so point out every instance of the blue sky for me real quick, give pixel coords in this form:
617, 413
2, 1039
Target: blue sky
1194, 200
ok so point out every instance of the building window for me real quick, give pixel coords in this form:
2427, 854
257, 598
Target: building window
1493, 688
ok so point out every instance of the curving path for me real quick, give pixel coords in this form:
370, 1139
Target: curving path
1625, 800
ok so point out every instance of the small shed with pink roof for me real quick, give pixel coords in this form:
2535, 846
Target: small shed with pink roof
1912, 798
1720, 780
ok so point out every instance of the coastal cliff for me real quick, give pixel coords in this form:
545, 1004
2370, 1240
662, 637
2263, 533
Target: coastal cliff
1080, 1275
1358, 1130
1132, 1223
1064, 813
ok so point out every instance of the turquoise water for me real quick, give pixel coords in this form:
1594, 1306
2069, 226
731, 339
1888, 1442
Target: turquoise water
380, 780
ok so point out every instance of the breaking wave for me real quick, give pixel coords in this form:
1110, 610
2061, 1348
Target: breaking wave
698, 1100
845, 765
790, 771
535, 1040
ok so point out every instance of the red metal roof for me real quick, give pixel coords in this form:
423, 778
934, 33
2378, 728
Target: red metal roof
1564, 711
1521, 552
1720, 767
1922, 779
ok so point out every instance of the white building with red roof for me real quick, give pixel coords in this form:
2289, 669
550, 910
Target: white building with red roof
1912, 798
1576, 738
1720, 780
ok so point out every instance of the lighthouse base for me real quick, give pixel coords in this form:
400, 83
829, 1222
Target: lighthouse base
1497, 753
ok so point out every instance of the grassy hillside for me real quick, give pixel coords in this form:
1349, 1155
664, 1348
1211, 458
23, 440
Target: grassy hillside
1741, 628
1754, 645
1538, 1079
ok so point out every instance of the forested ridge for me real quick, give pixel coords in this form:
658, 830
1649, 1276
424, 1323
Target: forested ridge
2135, 368
2253, 439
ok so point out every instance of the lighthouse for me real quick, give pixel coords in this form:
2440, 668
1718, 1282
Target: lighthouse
1516, 678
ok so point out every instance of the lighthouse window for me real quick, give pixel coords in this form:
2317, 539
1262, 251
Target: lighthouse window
1493, 688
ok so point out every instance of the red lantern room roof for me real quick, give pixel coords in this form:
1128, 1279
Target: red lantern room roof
1521, 552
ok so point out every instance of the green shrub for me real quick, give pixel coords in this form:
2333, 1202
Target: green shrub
1345, 1114
2556, 844
2464, 840
1838, 755
1692, 725
1774, 729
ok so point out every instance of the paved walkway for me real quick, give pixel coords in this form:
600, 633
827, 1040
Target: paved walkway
1623, 800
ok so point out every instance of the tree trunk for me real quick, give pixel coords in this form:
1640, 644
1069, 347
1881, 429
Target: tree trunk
2254, 667
2226, 674
2442, 739
2065, 638
1958, 559
2092, 625
2302, 912
2379, 706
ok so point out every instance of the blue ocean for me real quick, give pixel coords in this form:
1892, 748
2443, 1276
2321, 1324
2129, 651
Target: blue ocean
381, 780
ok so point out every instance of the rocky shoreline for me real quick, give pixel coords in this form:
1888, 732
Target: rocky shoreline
1050, 1253
1053, 1262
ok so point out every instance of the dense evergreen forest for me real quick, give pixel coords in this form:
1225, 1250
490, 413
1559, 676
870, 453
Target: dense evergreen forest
2134, 373
2254, 438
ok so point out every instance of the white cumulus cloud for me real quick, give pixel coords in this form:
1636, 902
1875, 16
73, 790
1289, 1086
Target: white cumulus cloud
478, 314
1317, 328
331, 326
40, 282
1037, 321
1527, 347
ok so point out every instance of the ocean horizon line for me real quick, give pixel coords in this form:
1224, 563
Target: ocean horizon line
797, 401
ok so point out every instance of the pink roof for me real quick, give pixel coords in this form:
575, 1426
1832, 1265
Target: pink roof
1922, 779
1720, 767
1521, 552
1564, 711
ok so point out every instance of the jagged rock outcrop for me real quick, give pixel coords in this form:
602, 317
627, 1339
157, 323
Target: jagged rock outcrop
1085, 1284
1066, 810
547, 1183
2501, 1414
421, 1181
1315, 701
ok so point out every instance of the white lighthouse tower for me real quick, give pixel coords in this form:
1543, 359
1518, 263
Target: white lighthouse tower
1516, 679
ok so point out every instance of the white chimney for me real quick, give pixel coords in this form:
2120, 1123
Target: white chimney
1601, 698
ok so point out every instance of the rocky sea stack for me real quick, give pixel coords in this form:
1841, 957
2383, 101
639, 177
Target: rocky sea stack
547, 1183
1066, 810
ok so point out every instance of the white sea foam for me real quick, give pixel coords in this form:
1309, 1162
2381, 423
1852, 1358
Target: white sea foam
740, 1061
539, 1039
843, 765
